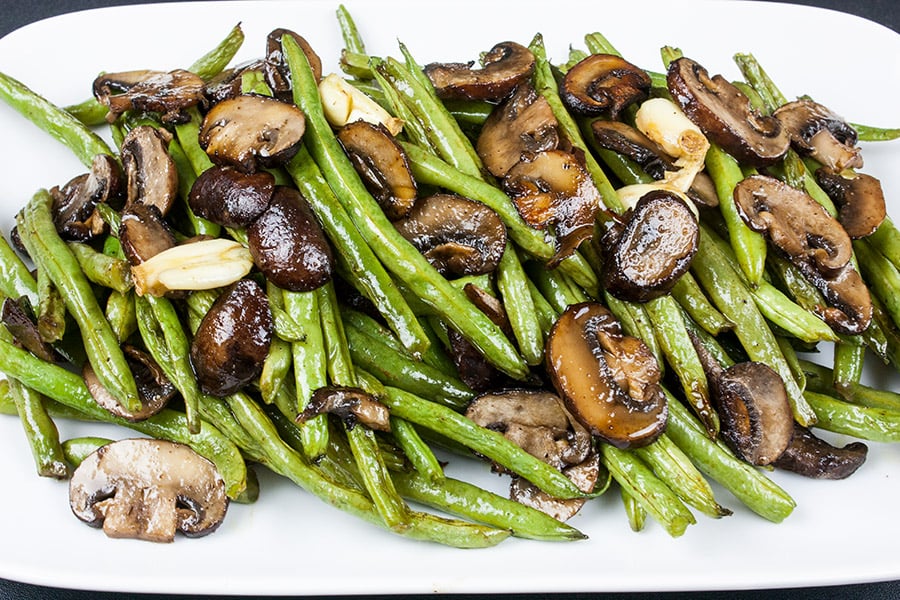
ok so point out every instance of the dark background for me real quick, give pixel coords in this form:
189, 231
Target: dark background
886, 12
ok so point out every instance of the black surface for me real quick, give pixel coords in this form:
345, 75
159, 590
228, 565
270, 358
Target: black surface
886, 12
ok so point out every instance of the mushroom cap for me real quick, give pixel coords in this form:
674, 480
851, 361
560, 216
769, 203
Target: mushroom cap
631, 142
276, 69
821, 134
143, 233
352, 405
813, 457
151, 174
859, 198
229, 197
169, 93
505, 66
74, 204
725, 115
154, 388
148, 489
603, 83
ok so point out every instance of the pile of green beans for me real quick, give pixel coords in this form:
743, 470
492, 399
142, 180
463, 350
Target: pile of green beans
741, 301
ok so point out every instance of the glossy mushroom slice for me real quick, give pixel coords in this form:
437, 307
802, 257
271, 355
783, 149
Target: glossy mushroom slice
725, 115
288, 244
629, 141
603, 84
813, 457
351, 405
859, 198
645, 256
233, 339
819, 133
276, 69
169, 93
74, 204
522, 125
382, 165
151, 174
143, 233
154, 388
608, 380
18, 318
229, 197
505, 66
249, 132
813, 241
553, 188
148, 489
458, 236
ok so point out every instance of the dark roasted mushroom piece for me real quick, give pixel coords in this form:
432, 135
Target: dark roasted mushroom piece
813, 457
143, 233
18, 318
505, 66
522, 125
150, 172
229, 83
820, 134
859, 199
229, 197
609, 381
645, 256
813, 241
553, 188
458, 236
74, 204
381, 164
725, 115
169, 93
603, 84
148, 489
154, 388
351, 405
249, 132
471, 365
288, 244
276, 69
629, 141
233, 339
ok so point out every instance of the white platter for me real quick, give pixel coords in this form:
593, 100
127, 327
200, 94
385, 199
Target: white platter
291, 543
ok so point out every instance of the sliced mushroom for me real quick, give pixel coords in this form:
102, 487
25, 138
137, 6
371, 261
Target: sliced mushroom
148, 489
646, 256
288, 244
813, 457
603, 83
819, 133
249, 132
154, 388
585, 476
813, 241
859, 198
277, 72
609, 381
553, 188
149, 169
74, 204
143, 233
458, 236
471, 365
725, 115
229, 83
505, 66
169, 93
756, 417
629, 141
351, 405
21, 324
229, 197
382, 165
233, 339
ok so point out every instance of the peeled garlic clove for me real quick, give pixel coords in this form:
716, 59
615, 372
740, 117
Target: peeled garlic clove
344, 104
200, 265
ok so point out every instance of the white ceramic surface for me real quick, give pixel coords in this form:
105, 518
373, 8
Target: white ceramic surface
291, 543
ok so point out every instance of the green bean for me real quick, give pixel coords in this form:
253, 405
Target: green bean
519, 305
77, 449
653, 494
887, 240
688, 294
546, 314
120, 313
868, 133
15, 278
821, 380
276, 369
51, 317
398, 255
417, 451
760, 80
102, 269
188, 134
848, 363
40, 431
864, 422
636, 514
51, 254
791, 317
214, 62
349, 32
186, 178
882, 277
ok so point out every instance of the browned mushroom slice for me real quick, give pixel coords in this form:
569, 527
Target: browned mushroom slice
143, 233
169, 93
351, 405
609, 381
859, 198
381, 164
703, 191
148, 489
20, 322
233, 339
154, 388
756, 417
629, 141
553, 188
522, 125
458, 236
813, 457
249, 132
585, 476
151, 173
603, 83
813, 241
725, 115
288, 244
74, 204
646, 255
505, 66
276, 69
229, 83
819, 133
229, 197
